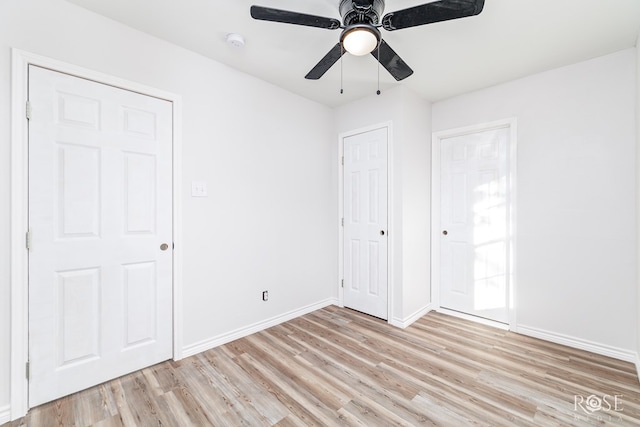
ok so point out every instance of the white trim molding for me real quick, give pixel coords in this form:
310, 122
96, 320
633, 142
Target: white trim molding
5, 414
390, 215
19, 257
512, 124
638, 365
409, 320
20, 61
219, 340
579, 343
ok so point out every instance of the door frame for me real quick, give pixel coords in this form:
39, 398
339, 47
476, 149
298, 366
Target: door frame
20, 61
341, 137
436, 144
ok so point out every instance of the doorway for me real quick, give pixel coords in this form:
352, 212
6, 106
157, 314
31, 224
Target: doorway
365, 221
473, 225
80, 224
100, 233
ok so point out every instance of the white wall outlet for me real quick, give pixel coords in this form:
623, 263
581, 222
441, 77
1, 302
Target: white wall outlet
198, 189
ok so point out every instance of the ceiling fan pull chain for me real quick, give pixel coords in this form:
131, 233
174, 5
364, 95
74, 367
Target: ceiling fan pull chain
341, 79
378, 92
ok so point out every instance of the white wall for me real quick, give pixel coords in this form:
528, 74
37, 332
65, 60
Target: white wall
409, 232
576, 209
415, 171
269, 220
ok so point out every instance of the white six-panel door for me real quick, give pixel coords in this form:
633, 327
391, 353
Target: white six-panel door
100, 213
475, 224
365, 222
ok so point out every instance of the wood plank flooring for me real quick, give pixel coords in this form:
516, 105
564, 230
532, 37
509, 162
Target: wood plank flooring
339, 367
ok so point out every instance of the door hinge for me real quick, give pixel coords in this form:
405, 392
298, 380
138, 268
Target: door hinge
342, 160
27, 370
28, 240
342, 283
28, 110
342, 222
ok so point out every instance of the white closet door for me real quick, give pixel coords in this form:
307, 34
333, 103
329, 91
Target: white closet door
474, 235
365, 222
100, 219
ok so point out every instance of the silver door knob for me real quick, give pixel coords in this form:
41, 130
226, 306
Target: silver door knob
164, 247
445, 232
382, 232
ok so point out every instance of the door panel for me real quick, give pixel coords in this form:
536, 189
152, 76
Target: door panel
365, 222
78, 317
475, 224
100, 185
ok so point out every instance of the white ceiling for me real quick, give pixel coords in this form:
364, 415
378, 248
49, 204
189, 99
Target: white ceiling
508, 40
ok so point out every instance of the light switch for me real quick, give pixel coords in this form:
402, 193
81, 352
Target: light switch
198, 189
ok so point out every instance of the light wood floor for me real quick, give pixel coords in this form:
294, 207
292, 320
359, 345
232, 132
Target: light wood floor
339, 367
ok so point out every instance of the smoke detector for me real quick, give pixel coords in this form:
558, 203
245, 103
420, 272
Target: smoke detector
235, 40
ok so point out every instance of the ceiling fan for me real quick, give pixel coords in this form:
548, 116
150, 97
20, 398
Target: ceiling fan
361, 22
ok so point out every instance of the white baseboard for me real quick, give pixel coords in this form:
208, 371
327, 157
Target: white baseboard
210, 343
593, 347
638, 365
407, 321
5, 414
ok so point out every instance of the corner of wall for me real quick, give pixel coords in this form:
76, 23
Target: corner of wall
415, 174
5, 414
409, 320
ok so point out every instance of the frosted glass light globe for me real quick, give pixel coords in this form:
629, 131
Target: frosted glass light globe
359, 41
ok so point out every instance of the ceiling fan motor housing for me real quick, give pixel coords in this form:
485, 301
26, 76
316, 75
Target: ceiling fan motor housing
361, 11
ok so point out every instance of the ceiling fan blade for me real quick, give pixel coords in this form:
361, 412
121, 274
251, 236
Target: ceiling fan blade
325, 63
287, 17
429, 13
392, 62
